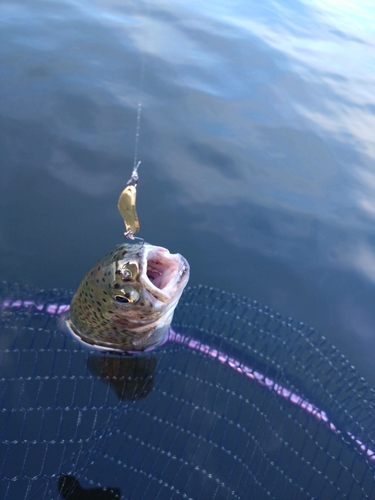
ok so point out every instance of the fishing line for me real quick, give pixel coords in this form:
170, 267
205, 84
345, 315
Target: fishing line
127, 200
140, 103
138, 124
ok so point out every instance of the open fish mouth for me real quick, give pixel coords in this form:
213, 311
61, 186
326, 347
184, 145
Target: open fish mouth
162, 273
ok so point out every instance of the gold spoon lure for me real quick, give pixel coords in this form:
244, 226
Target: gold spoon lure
126, 205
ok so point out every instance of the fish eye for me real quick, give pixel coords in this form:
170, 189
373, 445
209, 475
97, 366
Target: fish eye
121, 298
129, 295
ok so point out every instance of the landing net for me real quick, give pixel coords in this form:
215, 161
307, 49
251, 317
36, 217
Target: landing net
240, 403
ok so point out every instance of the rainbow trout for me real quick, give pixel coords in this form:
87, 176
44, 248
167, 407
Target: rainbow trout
127, 299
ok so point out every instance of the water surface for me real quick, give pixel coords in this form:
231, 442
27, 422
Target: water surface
256, 143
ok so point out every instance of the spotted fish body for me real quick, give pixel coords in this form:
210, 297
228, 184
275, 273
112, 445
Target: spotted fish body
127, 300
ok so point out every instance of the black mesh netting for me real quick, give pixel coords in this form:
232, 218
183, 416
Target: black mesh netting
255, 406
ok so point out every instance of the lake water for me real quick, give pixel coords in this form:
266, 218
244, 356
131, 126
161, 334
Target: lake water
256, 140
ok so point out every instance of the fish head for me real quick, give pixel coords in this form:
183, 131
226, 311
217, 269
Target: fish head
127, 300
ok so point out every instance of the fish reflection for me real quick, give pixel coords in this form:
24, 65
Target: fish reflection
131, 378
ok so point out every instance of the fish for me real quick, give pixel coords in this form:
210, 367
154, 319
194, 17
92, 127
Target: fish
126, 301
239, 402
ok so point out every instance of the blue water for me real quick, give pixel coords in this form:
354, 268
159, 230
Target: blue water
256, 141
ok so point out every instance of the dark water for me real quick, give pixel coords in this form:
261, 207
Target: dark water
256, 143
256, 140
246, 405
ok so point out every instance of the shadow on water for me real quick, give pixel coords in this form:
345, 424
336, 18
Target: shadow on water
70, 489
